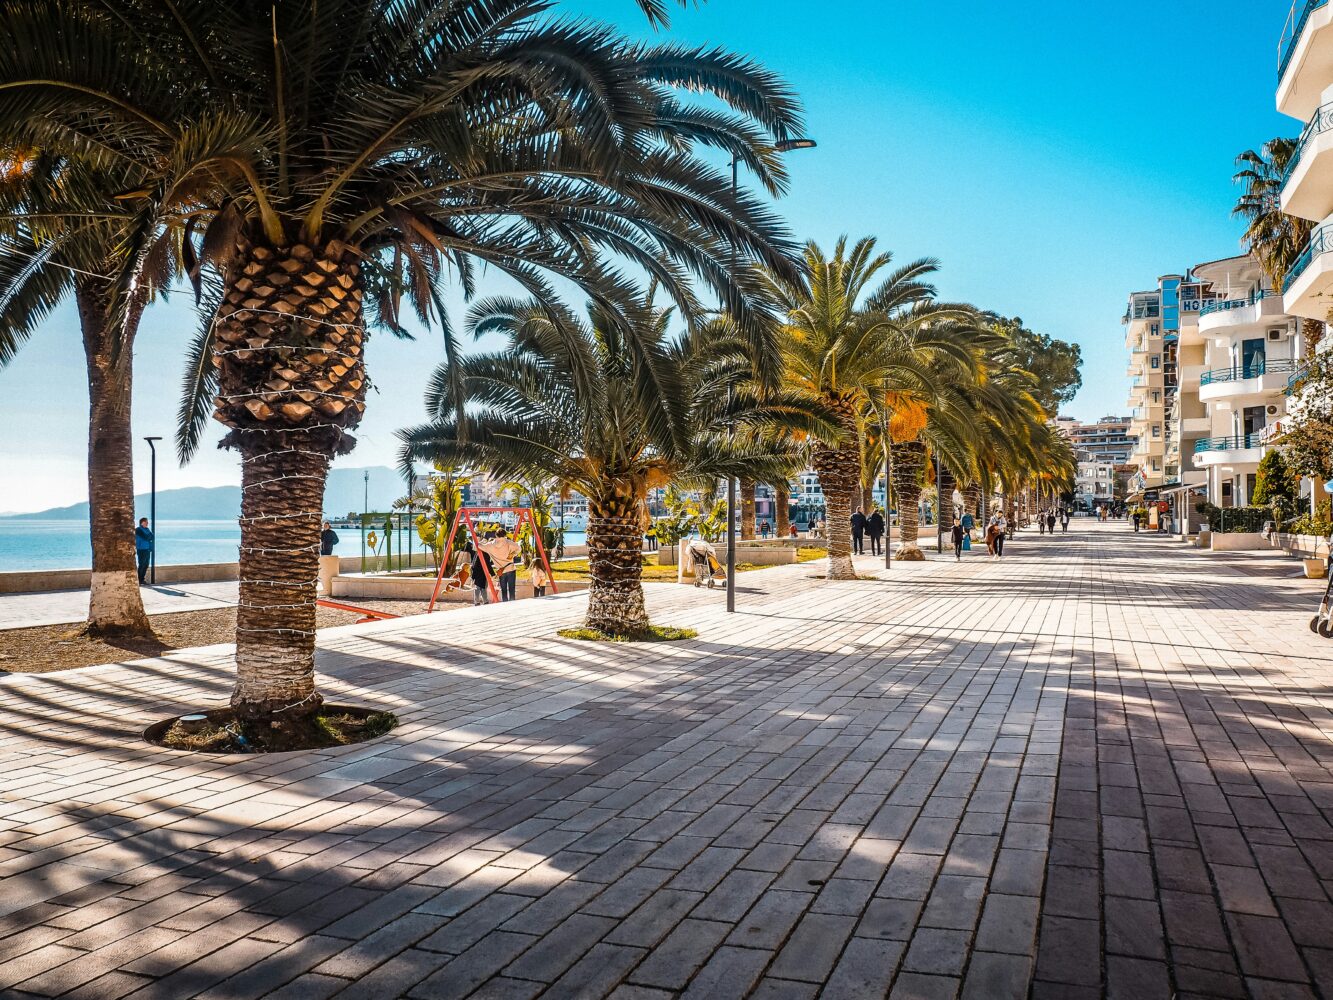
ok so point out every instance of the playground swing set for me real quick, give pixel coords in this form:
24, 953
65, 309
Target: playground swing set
522, 515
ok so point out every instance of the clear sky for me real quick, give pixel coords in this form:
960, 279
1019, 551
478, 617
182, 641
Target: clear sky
1054, 156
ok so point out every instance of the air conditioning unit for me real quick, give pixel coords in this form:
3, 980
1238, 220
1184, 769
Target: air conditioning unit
1271, 409
1277, 335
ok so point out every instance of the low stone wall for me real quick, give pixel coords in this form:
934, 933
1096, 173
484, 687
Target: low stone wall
1237, 541
400, 587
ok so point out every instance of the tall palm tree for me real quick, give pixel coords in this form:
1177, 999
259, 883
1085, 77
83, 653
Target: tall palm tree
1274, 238
844, 342
611, 409
323, 161
46, 258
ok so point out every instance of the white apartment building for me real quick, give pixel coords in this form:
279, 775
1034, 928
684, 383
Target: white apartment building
1095, 485
1102, 448
1250, 349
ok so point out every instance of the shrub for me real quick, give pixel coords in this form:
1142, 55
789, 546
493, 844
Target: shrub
1235, 520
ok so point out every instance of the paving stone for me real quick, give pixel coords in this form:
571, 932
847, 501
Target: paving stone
997, 977
685, 950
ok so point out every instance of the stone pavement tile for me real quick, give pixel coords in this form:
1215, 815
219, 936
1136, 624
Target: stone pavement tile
997, 977
356, 960
596, 973
843, 895
472, 925
783, 989
548, 959
915, 986
94, 964
275, 970
504, 988
733, 896
865, 969
465, 972
1008, 925
813, 948
1134, 927
627, 893
655, 918
730, 972
685, 950
770, 920
1019, 873
1243, 890
1193, 921
396, 976
1265, 949
937, 952
890, 919
1136, 979
1068, 951
311, 986
955, 902
211, 969
910, 876
1128, 873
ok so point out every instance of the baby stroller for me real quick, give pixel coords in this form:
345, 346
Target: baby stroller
1322, 622
703, 560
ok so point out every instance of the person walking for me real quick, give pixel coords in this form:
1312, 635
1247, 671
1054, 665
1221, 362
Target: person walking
858, 532
875, 528
651, 536
763, 530
328, 538
1041, 522
1064, 520
958, 533
1134, 516
540, 579
143, 548
1050, 521
1003, 525
481, 563
504, 553
794, 532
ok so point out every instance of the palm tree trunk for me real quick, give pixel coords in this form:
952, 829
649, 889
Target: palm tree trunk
868, 498
615, 562
747, 510
782, 509
908, 459
115, 606
972, 499
289, 343
839, 471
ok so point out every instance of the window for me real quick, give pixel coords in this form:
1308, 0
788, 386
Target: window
1156, 430
1156, 361
1156, 396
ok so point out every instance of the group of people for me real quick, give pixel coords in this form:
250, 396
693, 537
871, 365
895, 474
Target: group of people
498, 557
1046, 520
863, 526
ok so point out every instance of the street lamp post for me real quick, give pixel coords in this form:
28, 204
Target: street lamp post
152, 509
785, 146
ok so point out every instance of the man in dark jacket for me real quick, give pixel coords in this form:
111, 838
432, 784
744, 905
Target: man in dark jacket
328, 538
143, 548
858, 531
875, 529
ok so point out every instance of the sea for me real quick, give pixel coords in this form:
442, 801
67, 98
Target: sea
35, 545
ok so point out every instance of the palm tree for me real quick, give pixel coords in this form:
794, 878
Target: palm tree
46, 258
1274, 238
323, 161
611, 409
846, 344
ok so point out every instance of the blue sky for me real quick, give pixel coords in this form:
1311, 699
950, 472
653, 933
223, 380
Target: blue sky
1054, 160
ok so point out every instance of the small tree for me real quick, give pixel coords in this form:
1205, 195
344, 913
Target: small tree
1273, 483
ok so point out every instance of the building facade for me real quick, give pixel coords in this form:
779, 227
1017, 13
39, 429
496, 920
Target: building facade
1102, 448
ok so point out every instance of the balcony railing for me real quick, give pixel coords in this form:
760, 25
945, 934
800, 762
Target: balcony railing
1225, 305
1321, 242
1288, 44
1234, 442
1298, 376
1320, 123
1254, 369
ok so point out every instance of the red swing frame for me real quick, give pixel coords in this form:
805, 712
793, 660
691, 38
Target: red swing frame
464, 516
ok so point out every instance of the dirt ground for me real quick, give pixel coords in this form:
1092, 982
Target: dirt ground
60, 647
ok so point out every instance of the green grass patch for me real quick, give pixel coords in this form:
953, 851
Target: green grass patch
653, 633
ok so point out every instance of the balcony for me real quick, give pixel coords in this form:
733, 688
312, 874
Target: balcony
1297, 378
1189, 426
1306, 290
1305, 185
1222, 314
1305, 58
1260, 378
1225, 450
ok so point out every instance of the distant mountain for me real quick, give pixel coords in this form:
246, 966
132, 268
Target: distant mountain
345, 493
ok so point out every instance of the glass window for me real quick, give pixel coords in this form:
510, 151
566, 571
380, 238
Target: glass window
1156, 361
1156, 430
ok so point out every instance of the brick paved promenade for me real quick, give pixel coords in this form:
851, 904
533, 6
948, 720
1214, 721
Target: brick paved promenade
1100, 768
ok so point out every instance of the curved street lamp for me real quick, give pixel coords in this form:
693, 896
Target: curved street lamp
784, 146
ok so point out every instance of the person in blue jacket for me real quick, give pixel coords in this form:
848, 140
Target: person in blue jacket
143, 548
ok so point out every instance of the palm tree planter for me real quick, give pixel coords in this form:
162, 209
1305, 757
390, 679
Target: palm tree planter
611, 410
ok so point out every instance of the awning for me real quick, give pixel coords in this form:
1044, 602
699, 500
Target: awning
1184, 487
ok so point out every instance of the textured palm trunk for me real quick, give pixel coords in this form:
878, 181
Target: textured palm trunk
909, 458
867, 499
972, 499
839, 471
615, 562
782, 509
748, 531
115, 606
289, 343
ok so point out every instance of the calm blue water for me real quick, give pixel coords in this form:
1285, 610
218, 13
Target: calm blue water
27, 545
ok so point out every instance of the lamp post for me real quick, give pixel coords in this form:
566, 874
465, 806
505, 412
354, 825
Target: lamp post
785, 146
152, 509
